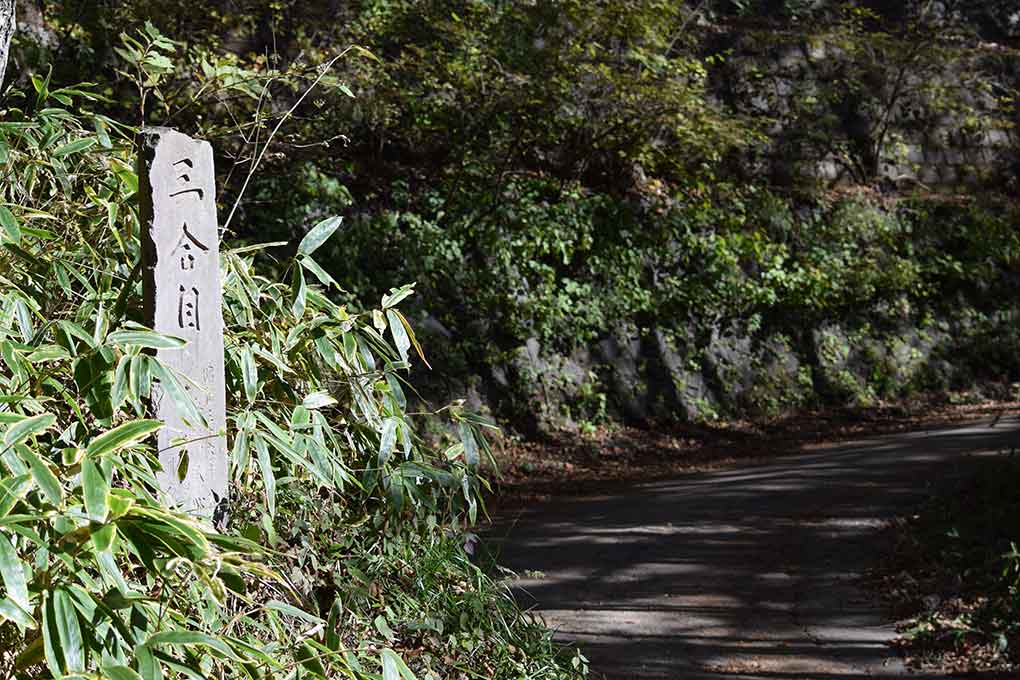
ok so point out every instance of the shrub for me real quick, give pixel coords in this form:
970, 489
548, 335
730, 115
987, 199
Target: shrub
101, 575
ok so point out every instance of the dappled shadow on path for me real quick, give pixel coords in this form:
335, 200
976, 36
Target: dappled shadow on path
747, 573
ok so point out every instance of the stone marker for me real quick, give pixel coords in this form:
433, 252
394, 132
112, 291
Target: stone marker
7, 26
181, 266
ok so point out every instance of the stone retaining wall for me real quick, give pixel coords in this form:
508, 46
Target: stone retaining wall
665, 374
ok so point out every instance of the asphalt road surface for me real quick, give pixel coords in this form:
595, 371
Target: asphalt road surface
747, 573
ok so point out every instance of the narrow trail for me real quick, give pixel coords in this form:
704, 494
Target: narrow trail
747, 573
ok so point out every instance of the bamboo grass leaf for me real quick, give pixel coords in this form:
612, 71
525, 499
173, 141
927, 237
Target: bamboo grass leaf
96, 488
10, 225
146, 338
21, 431
69, 631
121, 436
43, 476
12, 569
318, 235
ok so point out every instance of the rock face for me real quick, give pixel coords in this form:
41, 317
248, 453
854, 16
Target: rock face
663, 374
548, 386
180, 245
912, 120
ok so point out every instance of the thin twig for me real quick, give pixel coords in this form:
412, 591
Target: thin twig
279, 124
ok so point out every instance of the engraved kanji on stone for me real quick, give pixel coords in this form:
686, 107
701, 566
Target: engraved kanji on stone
180, 249
187, 308
186, 246
185, 178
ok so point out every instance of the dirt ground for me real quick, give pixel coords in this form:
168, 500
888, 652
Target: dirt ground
571, 463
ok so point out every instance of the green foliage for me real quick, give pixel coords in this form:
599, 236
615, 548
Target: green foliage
550, 171
563, 268
576, 89
99, 573
554, 170
857, 99
101, 576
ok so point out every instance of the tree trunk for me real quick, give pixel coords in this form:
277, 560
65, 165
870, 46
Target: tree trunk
6, 32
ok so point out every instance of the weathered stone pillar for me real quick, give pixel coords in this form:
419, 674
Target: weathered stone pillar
6, 33
181, 278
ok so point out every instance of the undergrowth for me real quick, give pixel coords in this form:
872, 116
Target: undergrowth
956, 574
342, 554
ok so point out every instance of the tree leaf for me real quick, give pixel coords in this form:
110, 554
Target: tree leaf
318, 235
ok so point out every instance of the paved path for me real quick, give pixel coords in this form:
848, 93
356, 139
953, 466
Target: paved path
747, 573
